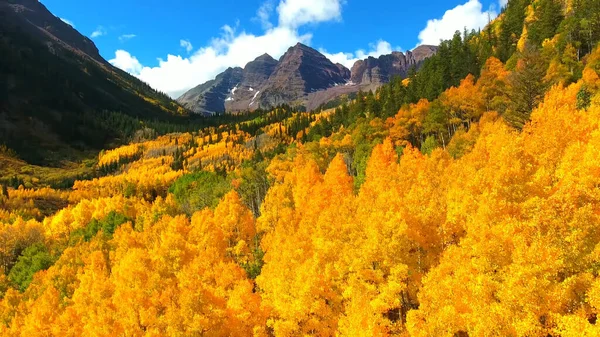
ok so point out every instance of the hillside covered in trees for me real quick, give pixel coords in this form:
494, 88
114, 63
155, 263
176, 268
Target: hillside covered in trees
56, 90
461, 201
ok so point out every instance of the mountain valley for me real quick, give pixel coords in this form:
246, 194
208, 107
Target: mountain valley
450, 190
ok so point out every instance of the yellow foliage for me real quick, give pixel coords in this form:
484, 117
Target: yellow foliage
495, 235
465, 102
112, 156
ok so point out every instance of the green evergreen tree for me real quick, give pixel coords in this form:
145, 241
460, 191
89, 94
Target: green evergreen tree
511, 28
4, 191
548, 15
33, 259
527, 86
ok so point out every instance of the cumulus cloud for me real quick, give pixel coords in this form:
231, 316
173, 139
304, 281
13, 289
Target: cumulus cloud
469, 15
234, 48
125, 61
295, 13
348, 59
263, 15
126, 37
68, 22
177, 74
187, 45
100, 31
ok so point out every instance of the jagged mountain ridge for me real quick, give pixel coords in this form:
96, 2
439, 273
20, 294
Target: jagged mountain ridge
218, 95
210, 97
267, 82
381, 70
302, 76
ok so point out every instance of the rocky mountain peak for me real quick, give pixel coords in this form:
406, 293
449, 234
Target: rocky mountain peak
265, 58
423, 52
301, 50
257, 71
304, 68
230, 72
301, 76
255, 75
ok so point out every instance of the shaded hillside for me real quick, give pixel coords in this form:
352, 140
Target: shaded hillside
53, 84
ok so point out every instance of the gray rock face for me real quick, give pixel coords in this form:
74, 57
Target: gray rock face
301, 71
234, 89
209, 98
381, 70
257, 72
423, 52
256, 75
345, 72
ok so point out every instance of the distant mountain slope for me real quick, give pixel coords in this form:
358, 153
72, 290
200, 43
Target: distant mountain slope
234, 89
302, 76
53, 83
381, 70
266, 82
210, 96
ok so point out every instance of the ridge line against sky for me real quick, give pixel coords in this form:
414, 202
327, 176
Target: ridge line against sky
284, 23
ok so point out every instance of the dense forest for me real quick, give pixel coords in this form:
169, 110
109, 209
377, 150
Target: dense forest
463, 200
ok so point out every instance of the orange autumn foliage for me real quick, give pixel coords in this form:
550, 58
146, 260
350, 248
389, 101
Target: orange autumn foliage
495, 234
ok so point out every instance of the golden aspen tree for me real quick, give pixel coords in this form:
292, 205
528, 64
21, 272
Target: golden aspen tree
303, 268
44, 313
237, 224
407, 125
216, 299
493, 84
93, 311
465, 102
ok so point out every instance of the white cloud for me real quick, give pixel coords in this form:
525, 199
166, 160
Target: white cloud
295, 13
234, 48
469, 15
177, 74
187, 45
100, 31
125, 61
68, 22
126, 37
263, 15
348, 59
503, 3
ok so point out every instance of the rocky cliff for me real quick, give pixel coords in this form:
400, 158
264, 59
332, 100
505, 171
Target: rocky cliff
381, 70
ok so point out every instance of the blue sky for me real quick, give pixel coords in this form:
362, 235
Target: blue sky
178, 44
